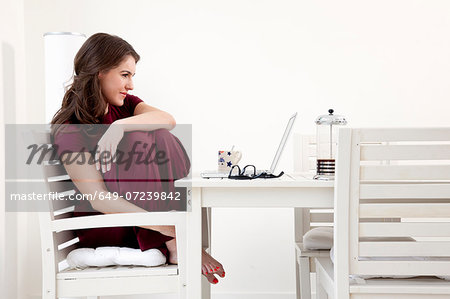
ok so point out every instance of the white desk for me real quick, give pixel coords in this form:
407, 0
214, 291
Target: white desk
289, 191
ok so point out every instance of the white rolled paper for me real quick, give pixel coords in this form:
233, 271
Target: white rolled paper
60, 50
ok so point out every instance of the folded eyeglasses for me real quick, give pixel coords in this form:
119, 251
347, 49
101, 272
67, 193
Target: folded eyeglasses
248, 174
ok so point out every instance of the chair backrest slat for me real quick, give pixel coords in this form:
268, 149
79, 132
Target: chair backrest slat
322, 217
405, 152
66, 212
305, 155
397, 249
404, 210
404, 172
409, 191
414, 229
54, 170
403, 134
64, 203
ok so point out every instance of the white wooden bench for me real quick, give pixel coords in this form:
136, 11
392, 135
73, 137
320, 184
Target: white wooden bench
415, 187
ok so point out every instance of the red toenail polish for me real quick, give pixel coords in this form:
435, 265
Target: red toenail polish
215, 281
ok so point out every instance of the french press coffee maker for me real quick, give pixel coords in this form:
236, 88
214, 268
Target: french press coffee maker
326, 142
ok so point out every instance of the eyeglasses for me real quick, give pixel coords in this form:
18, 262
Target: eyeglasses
237, 174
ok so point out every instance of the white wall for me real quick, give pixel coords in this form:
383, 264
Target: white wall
13, 249
236, 70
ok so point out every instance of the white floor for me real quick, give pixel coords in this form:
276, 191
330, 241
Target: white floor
227, 295
213, 296
221, 295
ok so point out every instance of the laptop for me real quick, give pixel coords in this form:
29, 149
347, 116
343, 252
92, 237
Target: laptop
215, 174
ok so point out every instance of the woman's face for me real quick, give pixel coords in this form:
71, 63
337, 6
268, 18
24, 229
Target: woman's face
115, 83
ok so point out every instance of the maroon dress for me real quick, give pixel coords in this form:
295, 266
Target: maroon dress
127, 179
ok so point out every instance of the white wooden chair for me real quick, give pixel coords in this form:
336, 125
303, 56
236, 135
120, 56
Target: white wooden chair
307, 219
414, 187
58, 239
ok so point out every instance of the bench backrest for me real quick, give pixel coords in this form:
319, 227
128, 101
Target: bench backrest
413, 187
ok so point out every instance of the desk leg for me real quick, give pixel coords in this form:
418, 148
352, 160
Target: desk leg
206, 244
206, 229
206, 288
194, 254
302, 264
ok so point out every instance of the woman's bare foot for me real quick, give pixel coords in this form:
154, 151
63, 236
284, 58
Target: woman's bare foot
210, 265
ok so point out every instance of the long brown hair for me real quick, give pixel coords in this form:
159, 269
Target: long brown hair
84, 102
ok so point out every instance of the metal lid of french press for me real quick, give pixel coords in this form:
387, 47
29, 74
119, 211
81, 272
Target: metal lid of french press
331, 119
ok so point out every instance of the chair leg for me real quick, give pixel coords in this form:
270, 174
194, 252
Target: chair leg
182, 294
298, 287
303, 281
320, 291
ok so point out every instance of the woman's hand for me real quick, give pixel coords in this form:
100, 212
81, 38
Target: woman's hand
107, 146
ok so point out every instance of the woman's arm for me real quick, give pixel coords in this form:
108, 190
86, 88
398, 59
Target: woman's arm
147, 118
89, 181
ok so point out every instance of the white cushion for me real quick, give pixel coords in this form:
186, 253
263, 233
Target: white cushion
318, 238
110, 256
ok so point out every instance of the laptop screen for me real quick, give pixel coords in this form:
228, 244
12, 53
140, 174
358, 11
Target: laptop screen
284, 139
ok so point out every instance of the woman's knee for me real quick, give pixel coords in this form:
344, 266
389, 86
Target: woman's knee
159, 144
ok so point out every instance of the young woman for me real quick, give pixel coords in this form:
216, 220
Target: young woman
104, 67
